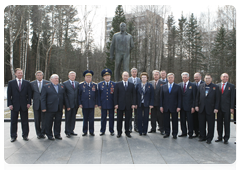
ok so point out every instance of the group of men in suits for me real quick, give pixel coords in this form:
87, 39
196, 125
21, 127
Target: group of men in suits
197, 102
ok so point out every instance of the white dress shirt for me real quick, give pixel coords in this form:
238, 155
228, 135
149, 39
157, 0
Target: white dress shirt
224, 85
124, 83
169, 85
72, 82
18, 81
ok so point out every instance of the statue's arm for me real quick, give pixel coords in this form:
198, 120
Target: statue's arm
112, 48
131, 43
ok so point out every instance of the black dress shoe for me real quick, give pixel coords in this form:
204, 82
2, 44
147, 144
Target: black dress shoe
190, 137
68, 135
218, 140
130, 131
112, 134
162, 133
51, 138
92, 134
58, 137
182, 135
136, 130
144, 134
118, 136
235, 142
225, 142
200, 140
194, 136
174, 137
13, 139
101, 134
43, 136
84, 134
74, 134
128, 135
152, 131
165, 136
25, 138
38, 136
140, 134
208, 142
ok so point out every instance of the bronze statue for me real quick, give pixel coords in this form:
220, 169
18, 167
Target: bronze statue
121, 45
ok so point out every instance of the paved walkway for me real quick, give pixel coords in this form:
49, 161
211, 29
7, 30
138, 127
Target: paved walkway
150, 149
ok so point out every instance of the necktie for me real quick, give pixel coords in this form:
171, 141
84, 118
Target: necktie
40, 87
170, 88
155, 85
197, 84
107, 84
73, 84
134, 82
56, 87
223, 88
125, 86
184, 88
20, 85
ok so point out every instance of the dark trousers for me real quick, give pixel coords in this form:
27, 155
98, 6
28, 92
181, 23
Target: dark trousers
174, 123
135, 121
195, 123
128, 115
186, 116
51, 117
210, 118
88, 117
143, 117
157, 116
39, 119
14, 122
104, 120
223, 118
70, 119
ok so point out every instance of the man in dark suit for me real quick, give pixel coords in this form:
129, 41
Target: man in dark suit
135, 80
19, 100
52, 100
156, 115
124, 101
170, 102
226, 107
197, 81
188, 105
39, 116
207, 104
106, 101
71, 90
87, 100
163, 74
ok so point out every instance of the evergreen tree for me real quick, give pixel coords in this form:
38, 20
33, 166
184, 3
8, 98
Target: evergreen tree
117, 19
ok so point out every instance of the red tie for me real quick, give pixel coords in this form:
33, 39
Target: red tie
184, 88
73, 84
223, 88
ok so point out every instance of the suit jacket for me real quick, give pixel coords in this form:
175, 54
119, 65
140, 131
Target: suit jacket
157, 91
36, 95
148, 96
131, 80
227, 99
124, 99
106, 95
209, 102
189, 97
19, 99
51, 100
87, 96
71, 93
170, 101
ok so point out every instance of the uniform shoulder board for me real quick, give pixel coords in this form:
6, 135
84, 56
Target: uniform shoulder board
81, 82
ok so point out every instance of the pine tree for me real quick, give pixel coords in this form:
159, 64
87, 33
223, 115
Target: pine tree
117, 19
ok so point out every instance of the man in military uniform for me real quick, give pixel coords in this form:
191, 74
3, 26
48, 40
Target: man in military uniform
106, 101
87, 99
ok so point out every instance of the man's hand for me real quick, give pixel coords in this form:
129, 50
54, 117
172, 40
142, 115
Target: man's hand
68, 109
96, 106
63, 106
151, 107
215, 111
193, 110
28, 106
133, 106
232, 111
11, 107
178, 109
116, 106
161, 109
80, 105
44, 110
100, 107
197, 109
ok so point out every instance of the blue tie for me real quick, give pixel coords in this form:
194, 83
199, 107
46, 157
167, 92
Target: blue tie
170, 88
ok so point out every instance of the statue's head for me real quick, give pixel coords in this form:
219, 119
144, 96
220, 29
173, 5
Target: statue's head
122, 27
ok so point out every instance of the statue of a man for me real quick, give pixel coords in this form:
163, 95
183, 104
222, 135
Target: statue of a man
121, 45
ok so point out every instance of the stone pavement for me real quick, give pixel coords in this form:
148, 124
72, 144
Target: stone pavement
150, 149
